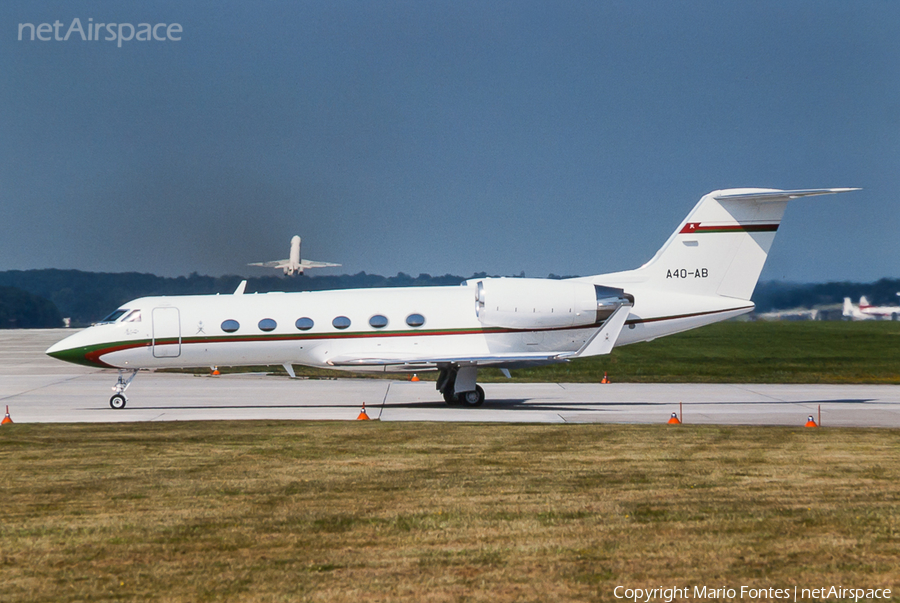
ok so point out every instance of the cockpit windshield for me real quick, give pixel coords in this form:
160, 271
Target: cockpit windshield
113, 317
133, 316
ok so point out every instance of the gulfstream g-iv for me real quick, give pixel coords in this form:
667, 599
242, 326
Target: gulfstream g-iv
704, 273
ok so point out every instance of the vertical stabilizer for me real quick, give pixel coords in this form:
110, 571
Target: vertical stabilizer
848, 311
722, 245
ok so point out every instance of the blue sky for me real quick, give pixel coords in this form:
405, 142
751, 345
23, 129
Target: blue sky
544, 137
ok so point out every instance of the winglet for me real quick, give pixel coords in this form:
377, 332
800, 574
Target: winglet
240, 288
604, 338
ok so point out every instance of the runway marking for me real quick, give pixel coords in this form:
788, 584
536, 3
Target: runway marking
752, 391
40, 387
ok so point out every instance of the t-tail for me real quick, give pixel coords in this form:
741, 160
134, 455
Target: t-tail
708, 268
721, 246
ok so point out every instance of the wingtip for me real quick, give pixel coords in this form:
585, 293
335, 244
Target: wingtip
822, 191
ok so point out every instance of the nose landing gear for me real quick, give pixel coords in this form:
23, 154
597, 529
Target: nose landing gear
118, 399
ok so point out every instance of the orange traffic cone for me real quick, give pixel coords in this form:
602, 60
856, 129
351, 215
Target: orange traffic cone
810, 422
362, 414
415, 377
673, 420
6, 419
215, 371
605, 378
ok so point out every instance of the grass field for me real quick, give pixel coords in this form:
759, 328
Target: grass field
749, 352
731, 352
275, 511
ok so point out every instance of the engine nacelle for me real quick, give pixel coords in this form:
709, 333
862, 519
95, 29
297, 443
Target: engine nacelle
527, 303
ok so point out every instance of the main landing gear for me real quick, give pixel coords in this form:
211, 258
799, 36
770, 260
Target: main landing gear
118, 399
457, 385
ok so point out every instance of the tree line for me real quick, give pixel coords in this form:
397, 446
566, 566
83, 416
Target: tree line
28, 298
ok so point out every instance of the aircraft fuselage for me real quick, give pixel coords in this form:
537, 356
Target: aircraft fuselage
274, 328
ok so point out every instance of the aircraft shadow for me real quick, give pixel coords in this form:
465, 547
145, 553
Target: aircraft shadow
236, 406
497, 404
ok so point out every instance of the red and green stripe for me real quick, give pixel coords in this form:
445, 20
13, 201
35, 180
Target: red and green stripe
91, 355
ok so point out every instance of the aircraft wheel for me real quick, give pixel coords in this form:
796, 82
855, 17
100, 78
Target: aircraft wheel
450, 398
473, 398
117, 401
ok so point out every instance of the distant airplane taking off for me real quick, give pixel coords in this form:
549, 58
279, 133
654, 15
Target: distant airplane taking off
705, 272
294, 265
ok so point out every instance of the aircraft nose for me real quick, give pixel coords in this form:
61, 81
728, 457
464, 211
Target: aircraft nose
61, 346
69, 350
62, 350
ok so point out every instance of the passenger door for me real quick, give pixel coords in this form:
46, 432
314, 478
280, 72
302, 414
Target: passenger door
166, 333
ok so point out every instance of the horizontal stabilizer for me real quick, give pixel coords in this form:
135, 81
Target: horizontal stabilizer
773, 196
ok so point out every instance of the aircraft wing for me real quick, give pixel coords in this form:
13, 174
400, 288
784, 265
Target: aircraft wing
601, 342
304, 264
604, 339
274, 264
495, 360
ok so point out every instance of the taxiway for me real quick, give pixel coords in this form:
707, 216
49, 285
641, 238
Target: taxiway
38, 388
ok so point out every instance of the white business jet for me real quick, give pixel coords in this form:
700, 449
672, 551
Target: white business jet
704, 273
294, 265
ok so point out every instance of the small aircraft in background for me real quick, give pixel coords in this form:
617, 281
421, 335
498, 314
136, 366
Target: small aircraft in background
866, 311
294, 265
704, 273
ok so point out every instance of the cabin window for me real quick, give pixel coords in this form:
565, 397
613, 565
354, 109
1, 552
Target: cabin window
230, 326
378, 321
114, 316
341, 322
304, 324
267, 324
415, 320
